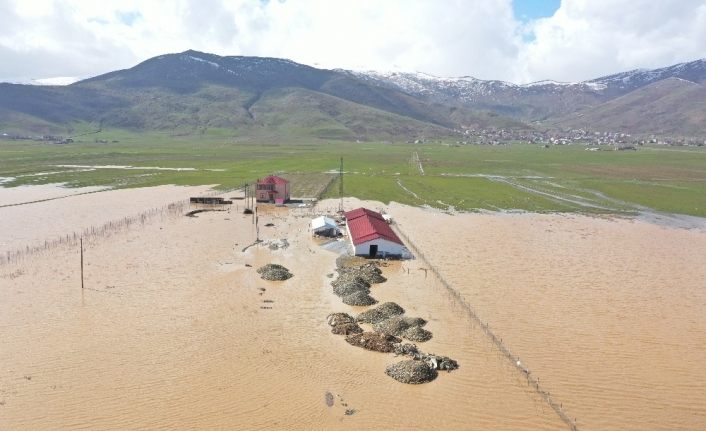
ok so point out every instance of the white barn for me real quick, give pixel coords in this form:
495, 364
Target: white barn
372, 236
324, 226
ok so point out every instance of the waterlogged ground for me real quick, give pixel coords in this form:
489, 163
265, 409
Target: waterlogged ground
174, 330
608, 313
32, 215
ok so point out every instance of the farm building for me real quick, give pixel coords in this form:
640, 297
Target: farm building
371, 235
324, 226
272, 189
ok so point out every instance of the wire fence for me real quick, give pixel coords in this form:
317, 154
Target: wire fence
107, 229
532, 381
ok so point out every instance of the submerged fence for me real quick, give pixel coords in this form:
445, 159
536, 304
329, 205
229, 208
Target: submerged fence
532, 381
177, 208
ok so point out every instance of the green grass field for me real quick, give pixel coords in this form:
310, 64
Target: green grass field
512, 177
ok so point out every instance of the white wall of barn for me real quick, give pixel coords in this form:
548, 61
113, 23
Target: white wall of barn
384, 247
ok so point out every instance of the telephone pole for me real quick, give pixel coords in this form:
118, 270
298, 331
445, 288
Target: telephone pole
340, 186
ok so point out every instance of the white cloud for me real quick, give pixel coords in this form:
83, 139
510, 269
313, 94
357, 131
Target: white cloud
585, 38
590, 38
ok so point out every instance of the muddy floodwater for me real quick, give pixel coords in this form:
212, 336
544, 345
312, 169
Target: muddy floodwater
31, 215
175, 330
609, 314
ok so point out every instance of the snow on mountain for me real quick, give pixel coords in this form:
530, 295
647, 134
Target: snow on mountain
471, 90
465, 88
694, 71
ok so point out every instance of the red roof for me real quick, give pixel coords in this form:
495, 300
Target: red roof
366, 225
272, 179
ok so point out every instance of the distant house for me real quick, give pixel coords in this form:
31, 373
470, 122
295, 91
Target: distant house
272, 189
324, 226
372, 236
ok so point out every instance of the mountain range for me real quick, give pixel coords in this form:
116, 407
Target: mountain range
194, 91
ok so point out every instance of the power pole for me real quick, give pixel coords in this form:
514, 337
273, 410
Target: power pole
340, 186
81, 243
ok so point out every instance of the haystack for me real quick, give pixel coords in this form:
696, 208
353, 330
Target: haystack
411, 372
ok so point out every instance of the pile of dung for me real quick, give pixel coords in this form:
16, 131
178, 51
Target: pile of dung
397, 325
380, 313
278, 244
345, 285
436, 362
374, 341
343, 324
359, 299
274, 272
347, 277
346, 329
439, 362
368, 272
417, 333
335, 319
411, 372
346, 261
407, 349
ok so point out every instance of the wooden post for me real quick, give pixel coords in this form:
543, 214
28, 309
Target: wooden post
81, 262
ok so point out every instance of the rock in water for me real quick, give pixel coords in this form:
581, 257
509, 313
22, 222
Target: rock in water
411, 372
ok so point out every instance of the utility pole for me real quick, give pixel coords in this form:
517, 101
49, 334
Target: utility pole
340, 186
81, 243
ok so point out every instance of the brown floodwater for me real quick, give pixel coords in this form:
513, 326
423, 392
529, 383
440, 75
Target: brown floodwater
607, 313
30, 215
170, 333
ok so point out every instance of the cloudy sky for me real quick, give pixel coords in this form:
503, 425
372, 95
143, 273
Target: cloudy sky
513, 40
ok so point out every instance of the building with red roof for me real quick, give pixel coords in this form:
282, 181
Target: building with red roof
372, 236
272, 189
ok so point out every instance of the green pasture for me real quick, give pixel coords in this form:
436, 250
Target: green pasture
510, 177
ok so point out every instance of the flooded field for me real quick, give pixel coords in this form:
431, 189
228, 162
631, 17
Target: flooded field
175, 329
170, 332
33, 214
607, 313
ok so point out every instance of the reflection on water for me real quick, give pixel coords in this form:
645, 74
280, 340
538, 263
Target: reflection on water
607, 313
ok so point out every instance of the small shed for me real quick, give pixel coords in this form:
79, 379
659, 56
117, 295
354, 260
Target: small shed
324, 226
272, 189
372, 236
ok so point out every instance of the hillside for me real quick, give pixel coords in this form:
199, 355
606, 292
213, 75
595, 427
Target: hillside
194, 90
544, 100
671, 106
